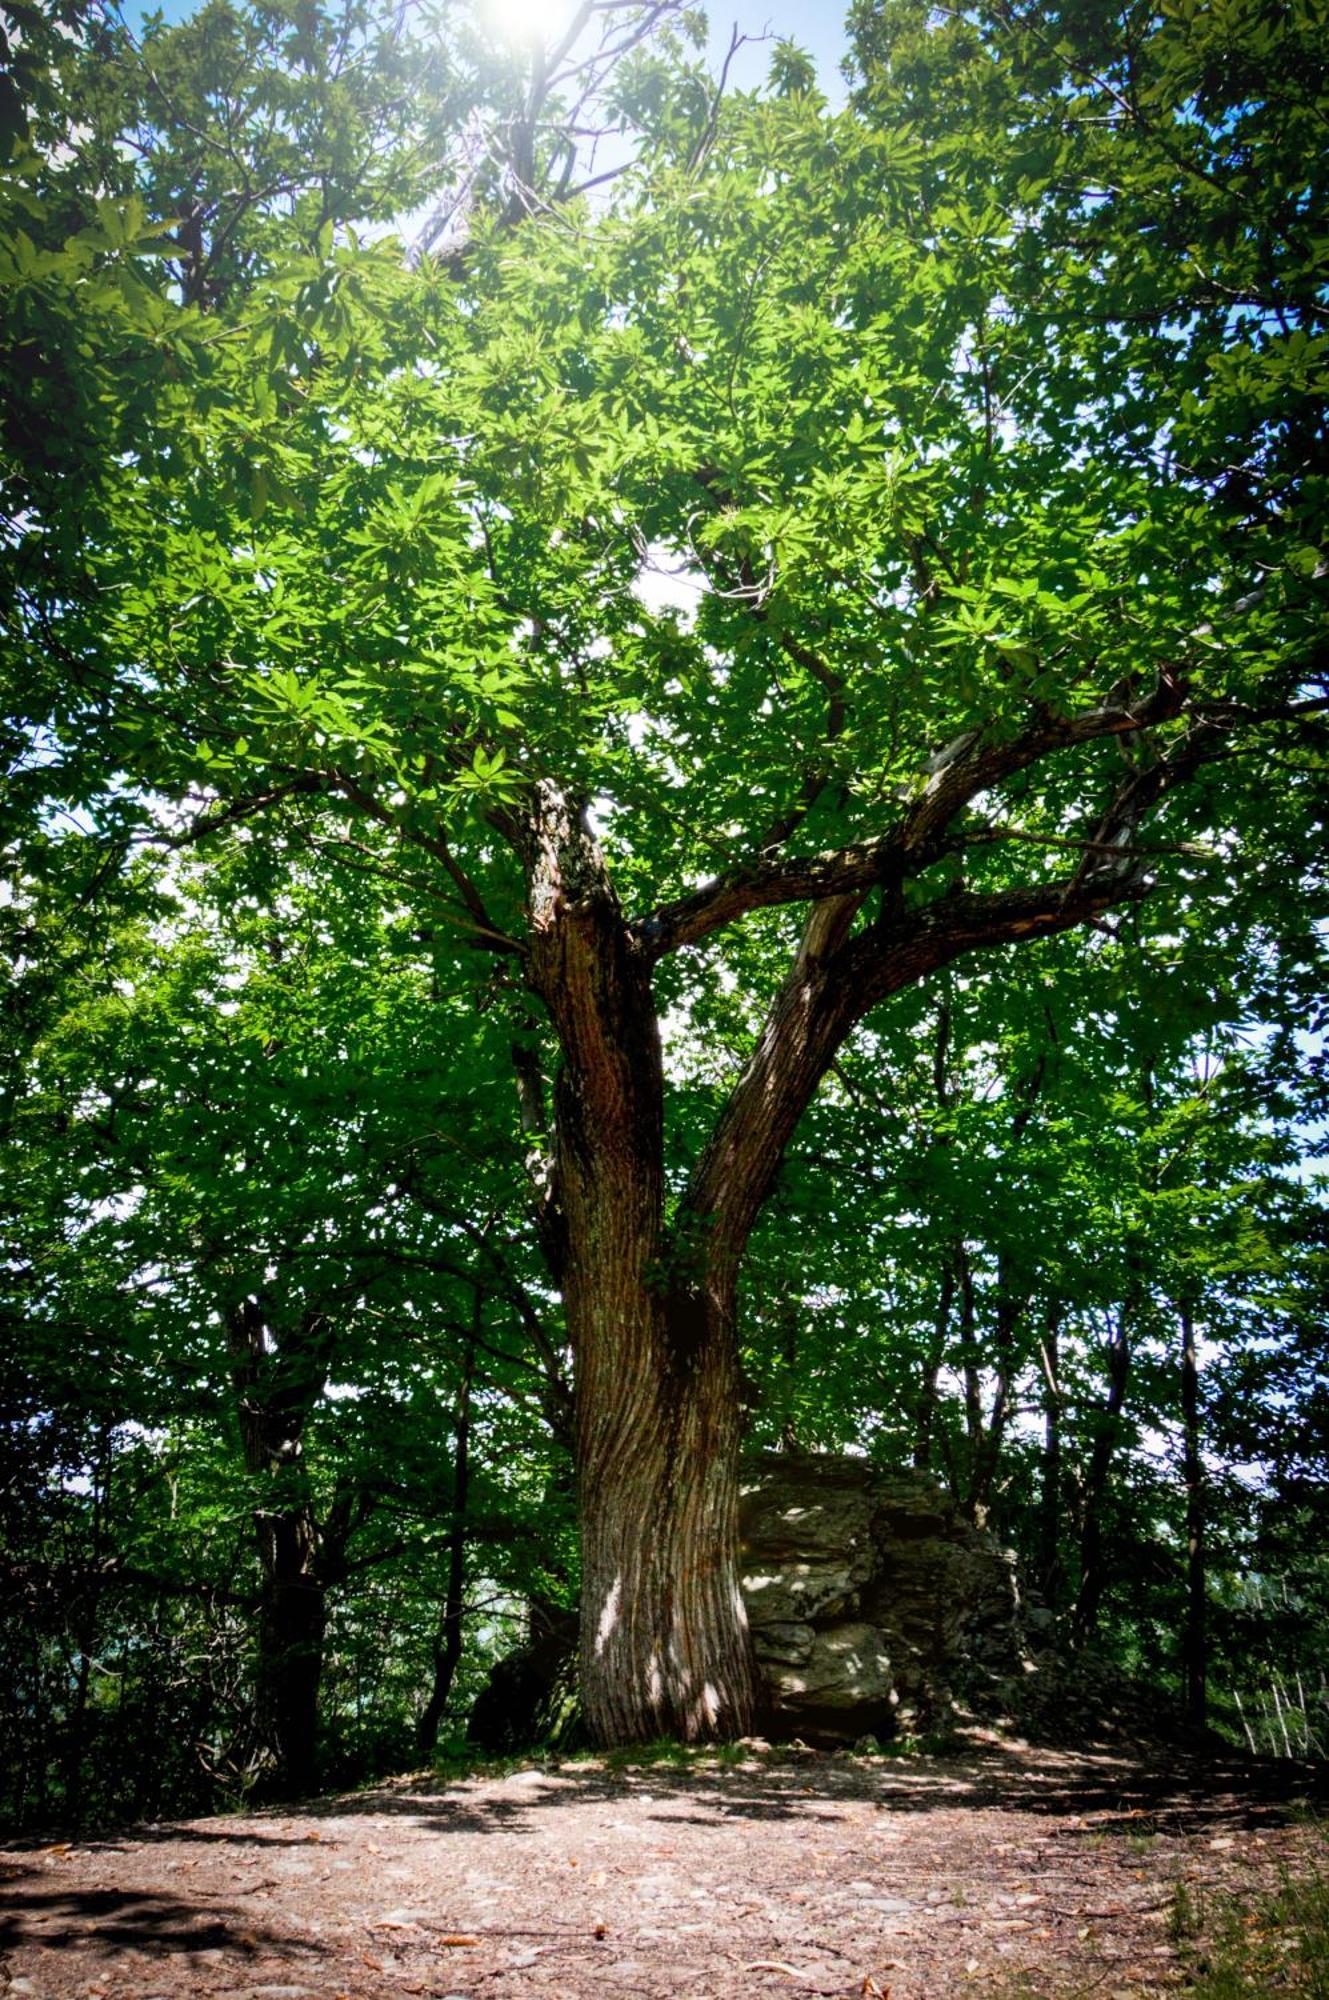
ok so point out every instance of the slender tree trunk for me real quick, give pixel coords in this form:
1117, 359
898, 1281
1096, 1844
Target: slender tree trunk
1049, 1510
86, 1626
275, 1393
790, 1316
973, 1381
1194, 1637
1093, 1555
925, 1410
992, 1435
447, 1642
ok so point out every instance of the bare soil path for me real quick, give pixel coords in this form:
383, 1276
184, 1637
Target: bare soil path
1000, 1870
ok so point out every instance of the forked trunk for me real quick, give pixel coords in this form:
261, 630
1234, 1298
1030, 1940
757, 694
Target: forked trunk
664, 1640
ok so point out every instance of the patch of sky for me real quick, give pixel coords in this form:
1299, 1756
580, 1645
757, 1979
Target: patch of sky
818, 29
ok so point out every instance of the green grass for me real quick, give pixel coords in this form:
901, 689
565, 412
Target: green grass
1229, 1948
458, 1759
1278, 1945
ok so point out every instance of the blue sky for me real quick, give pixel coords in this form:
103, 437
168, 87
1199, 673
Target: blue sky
819, 29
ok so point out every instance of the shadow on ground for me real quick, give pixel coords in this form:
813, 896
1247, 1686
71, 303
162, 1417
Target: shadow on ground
1097, 1792
107, 1921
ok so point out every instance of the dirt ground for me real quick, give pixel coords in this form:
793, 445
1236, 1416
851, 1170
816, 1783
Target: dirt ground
1002, 1870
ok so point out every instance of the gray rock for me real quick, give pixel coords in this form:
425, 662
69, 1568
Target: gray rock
807, 1507
789, 1642
847, 1668
832, 1546
796, 1591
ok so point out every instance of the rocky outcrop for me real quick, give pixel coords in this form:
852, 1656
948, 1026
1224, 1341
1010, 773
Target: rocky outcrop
873, 1602
874, 1606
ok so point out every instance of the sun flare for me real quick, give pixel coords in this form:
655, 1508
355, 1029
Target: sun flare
525, 22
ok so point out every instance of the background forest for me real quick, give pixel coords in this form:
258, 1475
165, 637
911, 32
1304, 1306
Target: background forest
396, 416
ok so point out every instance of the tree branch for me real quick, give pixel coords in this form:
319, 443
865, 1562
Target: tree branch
834, 981
956, 775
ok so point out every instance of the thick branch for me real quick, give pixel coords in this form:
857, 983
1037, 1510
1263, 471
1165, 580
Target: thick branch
835, 980
957, 775
596, 986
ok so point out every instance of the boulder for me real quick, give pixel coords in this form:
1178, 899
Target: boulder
797, 1591
873, 1601
845, 1670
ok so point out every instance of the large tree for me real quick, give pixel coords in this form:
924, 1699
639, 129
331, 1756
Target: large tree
863, 541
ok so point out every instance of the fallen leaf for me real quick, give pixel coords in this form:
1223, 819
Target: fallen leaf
773, 1965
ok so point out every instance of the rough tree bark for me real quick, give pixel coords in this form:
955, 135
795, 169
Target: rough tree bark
664, 1645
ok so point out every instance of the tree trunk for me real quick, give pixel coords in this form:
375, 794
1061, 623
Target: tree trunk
276, 1391
991, 1436
1194, 1645
650, 1312
447, 1642
1049, 1499
925, 1409
292, 1623
665, 1648
1093, 1555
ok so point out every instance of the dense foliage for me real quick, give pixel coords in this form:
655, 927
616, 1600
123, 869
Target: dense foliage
648, 802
